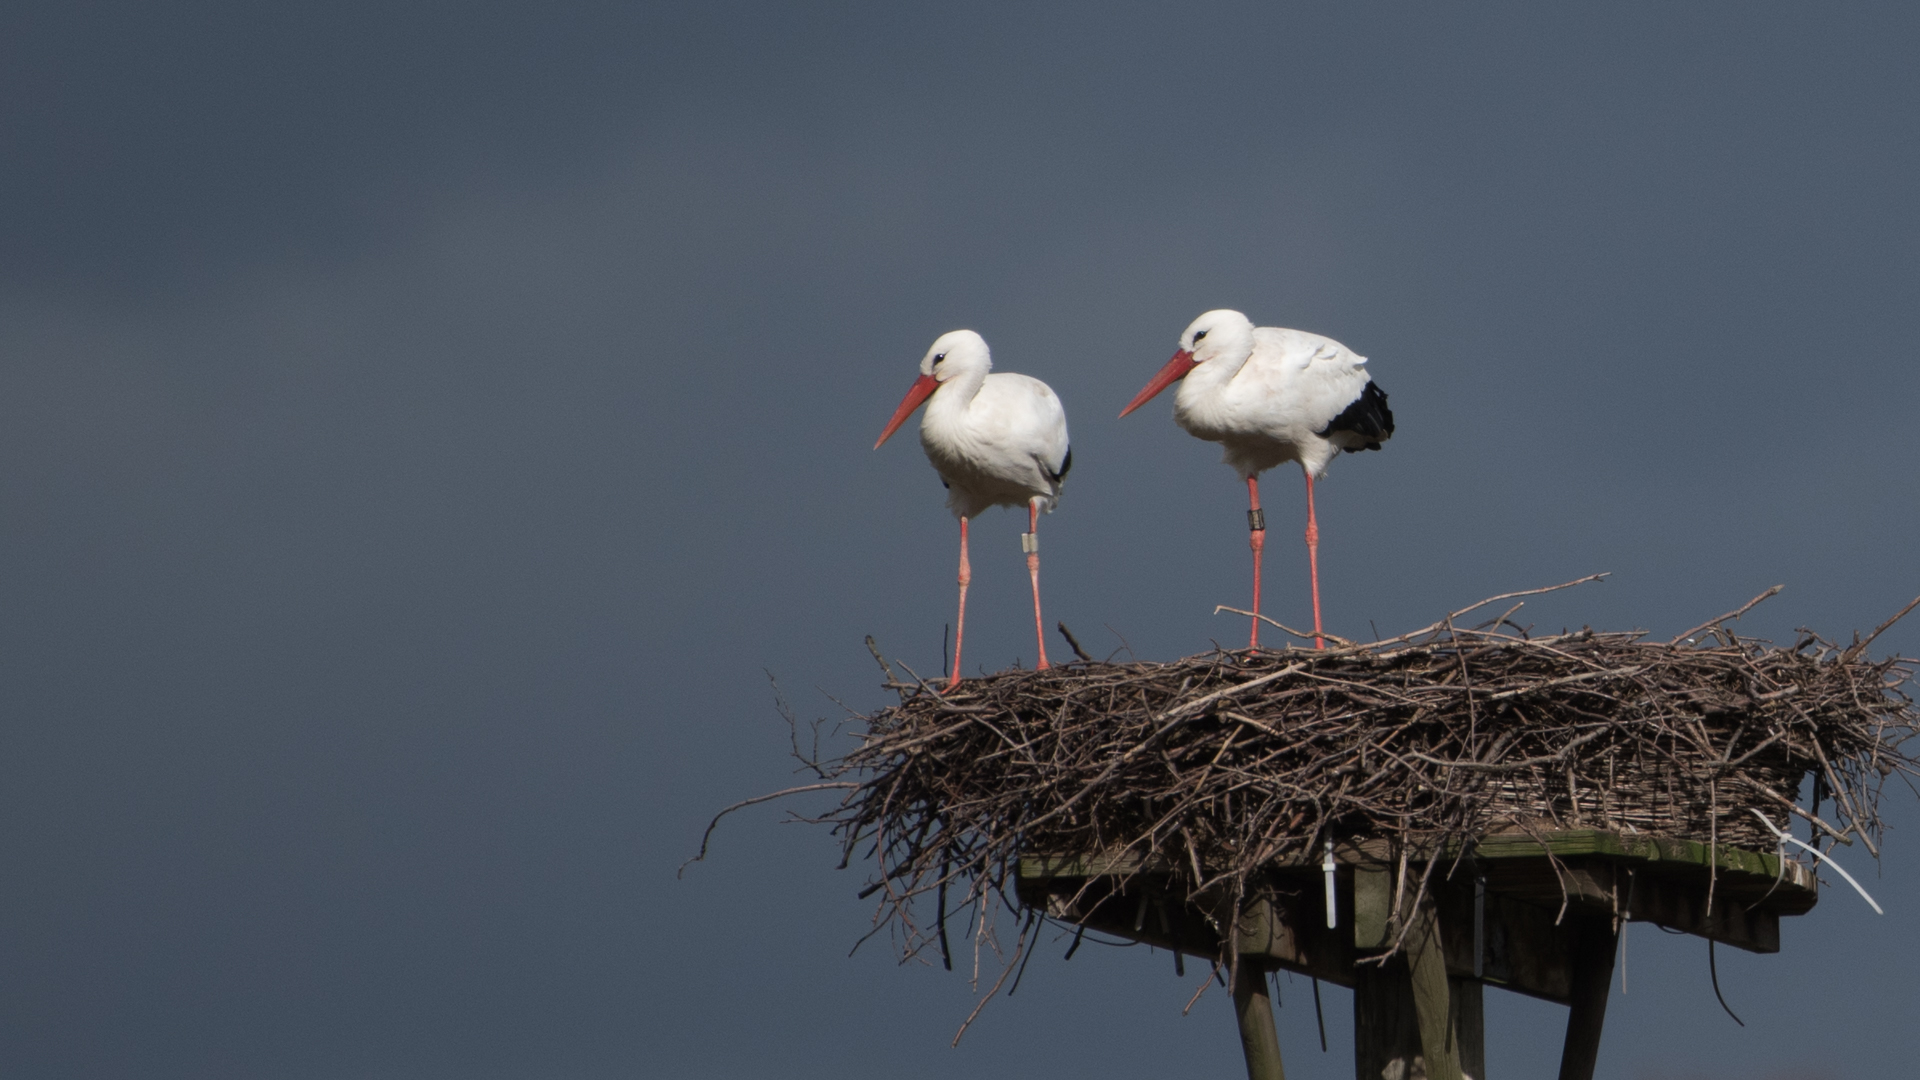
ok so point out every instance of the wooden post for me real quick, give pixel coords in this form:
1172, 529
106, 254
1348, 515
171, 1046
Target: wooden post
1432, 1001
1469, 1026
1386, 1029
1593, 939
1386, 1024
1259, 1040
1410, 1017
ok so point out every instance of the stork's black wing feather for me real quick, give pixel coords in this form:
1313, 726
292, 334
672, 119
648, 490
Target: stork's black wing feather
1367, 420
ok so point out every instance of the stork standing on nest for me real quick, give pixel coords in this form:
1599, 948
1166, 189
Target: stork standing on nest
995, 440
1271, 395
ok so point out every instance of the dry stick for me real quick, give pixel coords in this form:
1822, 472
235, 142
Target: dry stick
1022, 973
1073, 643
1809, 818
874, 648
1193, 854
1743, 758
744, 803
1019, 947
1466, 682
1204, 983
1734, 614
1856, 650
1337, 639
1406, 924
937, 695
1621, 673
1507, 596
1399, 890
1508, 614
1514, 766
1242, 718
1840, 795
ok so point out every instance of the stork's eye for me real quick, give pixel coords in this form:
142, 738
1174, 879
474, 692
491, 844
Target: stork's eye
937, 357
1198, 336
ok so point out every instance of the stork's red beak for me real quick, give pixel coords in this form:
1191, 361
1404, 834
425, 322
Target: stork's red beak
923, 388
1175, 370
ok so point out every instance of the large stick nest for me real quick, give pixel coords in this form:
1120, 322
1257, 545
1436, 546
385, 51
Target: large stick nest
1216, 766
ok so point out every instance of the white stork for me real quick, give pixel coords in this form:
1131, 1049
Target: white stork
1270, 395
995, 440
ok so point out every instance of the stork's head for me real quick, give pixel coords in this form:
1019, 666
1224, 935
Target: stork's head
1220, 333
954, 353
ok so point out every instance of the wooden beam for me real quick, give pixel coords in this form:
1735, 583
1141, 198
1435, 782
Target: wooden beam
1372, 907
1593, 939
1652, 893
1469, 1025
1644, 847
1520, 947
1292, 933
1386, 1026
1259, 1041
1432, 1001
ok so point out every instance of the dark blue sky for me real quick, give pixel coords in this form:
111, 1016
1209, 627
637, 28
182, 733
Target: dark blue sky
424, 427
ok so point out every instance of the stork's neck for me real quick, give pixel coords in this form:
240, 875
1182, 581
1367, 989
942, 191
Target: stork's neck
957, 393
1211, 375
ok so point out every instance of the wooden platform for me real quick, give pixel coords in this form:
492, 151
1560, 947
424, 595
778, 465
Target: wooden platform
1537, 914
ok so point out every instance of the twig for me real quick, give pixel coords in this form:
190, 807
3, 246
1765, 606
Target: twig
1204, 983
744, 803
1809, 818
1019, 948
1508, 596
1734, 614
874, 648
1620, 673
1285, 629
1856, 650
1073, 643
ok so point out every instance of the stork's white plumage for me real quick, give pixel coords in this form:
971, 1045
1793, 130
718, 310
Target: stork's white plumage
996, 440
1270, 395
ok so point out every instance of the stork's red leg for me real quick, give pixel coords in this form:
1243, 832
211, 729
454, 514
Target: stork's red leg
1257, 526
1031, 542
960, 623
1313, 562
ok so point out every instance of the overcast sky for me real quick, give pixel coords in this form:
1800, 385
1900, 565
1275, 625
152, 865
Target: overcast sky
423, 429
